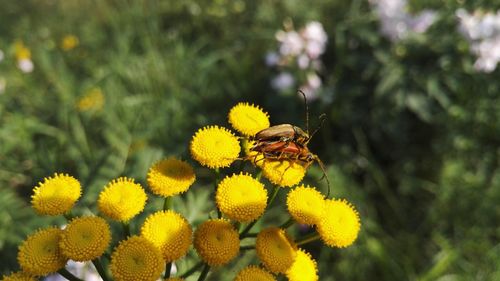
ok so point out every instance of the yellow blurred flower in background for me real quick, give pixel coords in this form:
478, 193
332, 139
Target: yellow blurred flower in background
92, 100
69, 42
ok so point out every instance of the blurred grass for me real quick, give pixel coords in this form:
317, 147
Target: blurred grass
412, 137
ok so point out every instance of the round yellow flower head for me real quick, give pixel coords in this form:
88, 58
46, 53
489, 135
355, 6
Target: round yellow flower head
122, 199
254, 273
93, 100
305, 204
136, 259
339, 226
284, 173
69, 42
241, 197
19, 276
303, 268
216, 241
168, 231
214, 147
248, 119
21, 51
275, 249
85, 238
170, 177
56, 195
39, 254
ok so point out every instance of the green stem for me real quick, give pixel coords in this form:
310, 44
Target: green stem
250, 235
192, 270
273, 196
100, 269
167, 204
69, 216
258, 175
66, 274
216, 183
308, 238
247, 229
287, 224
246, 248
168, 268
126, 229
204, 273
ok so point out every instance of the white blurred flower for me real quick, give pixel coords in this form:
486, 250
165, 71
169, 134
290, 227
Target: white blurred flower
313, 80
83, 270
283, 81
1, 55
316, 38
483, 33
25, 65
291, 42
303, 61
272, 59
397, 23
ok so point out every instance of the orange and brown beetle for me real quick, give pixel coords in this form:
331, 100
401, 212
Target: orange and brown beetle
288, 142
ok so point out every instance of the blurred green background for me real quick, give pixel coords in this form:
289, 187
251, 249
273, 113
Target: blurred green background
412, 135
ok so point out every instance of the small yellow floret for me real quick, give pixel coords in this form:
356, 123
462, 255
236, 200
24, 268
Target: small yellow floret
275, 249
339, 226
216, 241
248, 119
284, 173
21, 51
303, 268
170, 177
56, 195
40, 254
214, 147
170, 232
254, 273
305, 204
85, 238
136, 259
92, 100
19, 276
241, 197
69, 42
122, 199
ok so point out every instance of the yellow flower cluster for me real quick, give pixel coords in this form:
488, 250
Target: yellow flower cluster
165, 236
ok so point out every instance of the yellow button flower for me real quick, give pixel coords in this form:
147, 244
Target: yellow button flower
248, 119
168, 231
85, 238
93, 100
303, 268
284, 173
122, 199
339, 226
305, 204
275, 249
39, 254
214, 147
19, 276
69, 42
241, 197
216, 241
136, 259
254, 273
56, 195
170, 177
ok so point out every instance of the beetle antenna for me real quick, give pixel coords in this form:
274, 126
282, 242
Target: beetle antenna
322, 119
325, 176
307, 110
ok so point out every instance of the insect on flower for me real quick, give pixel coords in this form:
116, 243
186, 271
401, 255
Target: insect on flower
289, 142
